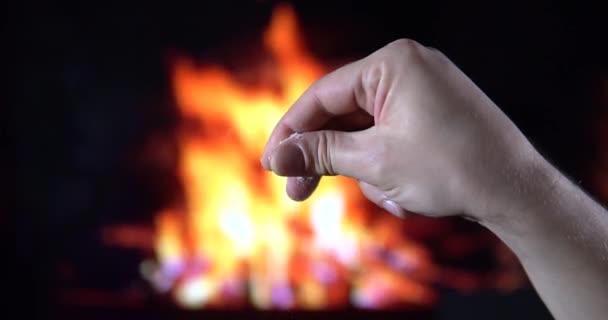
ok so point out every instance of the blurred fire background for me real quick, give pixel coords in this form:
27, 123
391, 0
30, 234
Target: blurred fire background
92, 110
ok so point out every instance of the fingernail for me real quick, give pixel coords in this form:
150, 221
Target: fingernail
392, 207
288, 160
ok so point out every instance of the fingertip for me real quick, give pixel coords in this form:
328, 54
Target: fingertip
265, 161
301, 188
287, 158
280, 134
395, 209
378, 197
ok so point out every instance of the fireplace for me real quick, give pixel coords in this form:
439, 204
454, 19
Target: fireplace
181, 221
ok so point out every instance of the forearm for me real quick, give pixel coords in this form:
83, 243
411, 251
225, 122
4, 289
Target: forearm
561, 237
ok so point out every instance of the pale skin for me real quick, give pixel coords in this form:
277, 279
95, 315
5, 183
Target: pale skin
421, 137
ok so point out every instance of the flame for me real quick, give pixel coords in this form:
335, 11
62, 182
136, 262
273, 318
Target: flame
239, 240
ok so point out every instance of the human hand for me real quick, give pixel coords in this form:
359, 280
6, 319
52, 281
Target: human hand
415, 132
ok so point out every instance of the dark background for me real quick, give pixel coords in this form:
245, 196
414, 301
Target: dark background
87, 85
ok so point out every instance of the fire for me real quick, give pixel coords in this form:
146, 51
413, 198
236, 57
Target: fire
238, 240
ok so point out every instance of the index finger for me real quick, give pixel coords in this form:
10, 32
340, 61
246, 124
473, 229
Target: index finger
338, 93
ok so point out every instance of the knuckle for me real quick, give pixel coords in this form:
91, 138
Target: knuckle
324, 163
404, 44
404, 52
367, 90
407, 47
314, 90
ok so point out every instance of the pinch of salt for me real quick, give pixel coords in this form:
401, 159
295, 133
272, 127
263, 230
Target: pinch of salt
293, 136
300, 180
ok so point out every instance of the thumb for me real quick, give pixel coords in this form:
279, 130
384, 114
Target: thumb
321, 153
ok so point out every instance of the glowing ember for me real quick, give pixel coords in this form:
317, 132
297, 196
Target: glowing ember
238, 240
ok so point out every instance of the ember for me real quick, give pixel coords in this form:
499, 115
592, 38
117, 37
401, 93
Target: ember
238, 240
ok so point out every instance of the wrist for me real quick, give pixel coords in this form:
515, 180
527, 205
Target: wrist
526, 187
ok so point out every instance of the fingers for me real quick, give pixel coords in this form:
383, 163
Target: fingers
379, 198
337, 94
322, 153
300, 188
308, 156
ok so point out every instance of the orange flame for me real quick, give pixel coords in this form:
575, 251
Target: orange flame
239, 240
